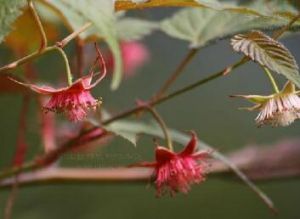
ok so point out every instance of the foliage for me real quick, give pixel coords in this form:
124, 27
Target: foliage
9, 11
268, 52
202, 26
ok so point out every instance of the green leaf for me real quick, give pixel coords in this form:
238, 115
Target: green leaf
101, 14
271, 7
130, 29
9, 11
215, 4
267, 52
201, 26
257, 7
120, 128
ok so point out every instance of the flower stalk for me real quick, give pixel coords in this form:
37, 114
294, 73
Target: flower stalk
37, 19
272, 79
163, 126
67, 65
73, 35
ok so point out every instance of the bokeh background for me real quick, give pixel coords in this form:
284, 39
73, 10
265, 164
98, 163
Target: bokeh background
206, 109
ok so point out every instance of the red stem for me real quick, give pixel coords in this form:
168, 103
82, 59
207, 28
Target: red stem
21, 139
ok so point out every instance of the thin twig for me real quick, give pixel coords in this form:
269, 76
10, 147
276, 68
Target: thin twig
37, 19
37, 54
25, 59
67, 65
272, 79
162, 124
176, 93
73, 35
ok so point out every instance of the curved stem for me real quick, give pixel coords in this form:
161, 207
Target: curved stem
67, 65
186, 60
38, 53
73, 35
177, 93
37, 19
272, 79
25, 59
163, 126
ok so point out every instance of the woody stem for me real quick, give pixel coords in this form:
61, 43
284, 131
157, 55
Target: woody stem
37, 19
162, 124
272, 79
67, 65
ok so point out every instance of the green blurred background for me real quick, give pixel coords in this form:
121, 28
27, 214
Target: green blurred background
207, 110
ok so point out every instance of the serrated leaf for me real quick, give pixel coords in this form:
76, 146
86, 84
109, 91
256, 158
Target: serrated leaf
267, 52
101, 14
130, 29
200, 26
9, 11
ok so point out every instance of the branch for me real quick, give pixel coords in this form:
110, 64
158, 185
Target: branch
52, 156
37, 19
38, 53
258, 162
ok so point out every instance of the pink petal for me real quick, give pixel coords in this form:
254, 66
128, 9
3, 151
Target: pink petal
191, 146
102, 66
39, 89
163, 155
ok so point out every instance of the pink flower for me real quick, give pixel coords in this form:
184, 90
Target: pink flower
176, 172
134, 55
74, 100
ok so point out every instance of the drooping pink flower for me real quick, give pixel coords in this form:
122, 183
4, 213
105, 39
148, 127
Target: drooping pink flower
74, 100
134, 55
176, 172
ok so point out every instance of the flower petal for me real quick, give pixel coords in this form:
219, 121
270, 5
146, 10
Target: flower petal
288, 88
163, 155
102, 66
191, 146
258, 99
38, 89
